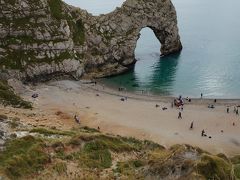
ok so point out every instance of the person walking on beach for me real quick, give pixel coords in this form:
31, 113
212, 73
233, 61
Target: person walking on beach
191, 126
227, 109
203, 132
179, 115
201, 95
236, 111
76, 118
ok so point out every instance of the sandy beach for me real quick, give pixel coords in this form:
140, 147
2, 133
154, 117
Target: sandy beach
137, 116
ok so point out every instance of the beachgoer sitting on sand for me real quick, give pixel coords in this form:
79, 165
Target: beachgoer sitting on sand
211, 106
157, 106
164, 108
188, 99
76, 118
203, 133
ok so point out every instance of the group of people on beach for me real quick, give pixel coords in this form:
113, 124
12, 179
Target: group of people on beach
179, 102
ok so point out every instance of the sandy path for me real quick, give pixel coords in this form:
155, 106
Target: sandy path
140, 118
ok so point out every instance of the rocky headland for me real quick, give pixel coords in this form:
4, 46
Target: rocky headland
43, 39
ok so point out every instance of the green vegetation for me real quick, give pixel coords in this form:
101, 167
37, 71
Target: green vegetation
236, 159
93, 153
56, 8
129, 168
89, 130
213, 167
22, 157
19, 59
237, 170
96, 151
49, 132
8, 97
78, 31
236, 163
60, 167
113, 143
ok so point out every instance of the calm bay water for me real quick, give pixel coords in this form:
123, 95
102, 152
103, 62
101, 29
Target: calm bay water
209, 62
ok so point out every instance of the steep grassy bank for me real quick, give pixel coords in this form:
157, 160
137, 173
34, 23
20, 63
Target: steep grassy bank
86, 153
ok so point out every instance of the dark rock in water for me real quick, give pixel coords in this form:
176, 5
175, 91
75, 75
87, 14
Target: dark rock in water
55, 39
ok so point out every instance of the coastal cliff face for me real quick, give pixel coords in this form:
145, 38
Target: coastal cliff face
46, 38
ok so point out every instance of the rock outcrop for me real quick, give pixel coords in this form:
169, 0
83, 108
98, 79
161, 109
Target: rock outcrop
39, 39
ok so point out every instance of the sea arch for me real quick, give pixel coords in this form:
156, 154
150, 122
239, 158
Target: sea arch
113, 37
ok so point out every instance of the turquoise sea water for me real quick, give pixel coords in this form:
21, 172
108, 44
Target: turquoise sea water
209, 62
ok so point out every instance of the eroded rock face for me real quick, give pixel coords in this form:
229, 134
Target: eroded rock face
42, 38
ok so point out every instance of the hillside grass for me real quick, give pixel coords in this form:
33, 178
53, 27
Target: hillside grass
56, 9
22, 157
9, 98
94, 152
49, 132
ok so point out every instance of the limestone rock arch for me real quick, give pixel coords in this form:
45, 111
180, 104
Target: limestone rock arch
43, 39
114, 36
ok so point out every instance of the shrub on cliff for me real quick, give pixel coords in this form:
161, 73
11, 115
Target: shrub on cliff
8, 97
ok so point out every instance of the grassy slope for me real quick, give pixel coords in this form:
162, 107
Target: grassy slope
95, 154
8, 97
